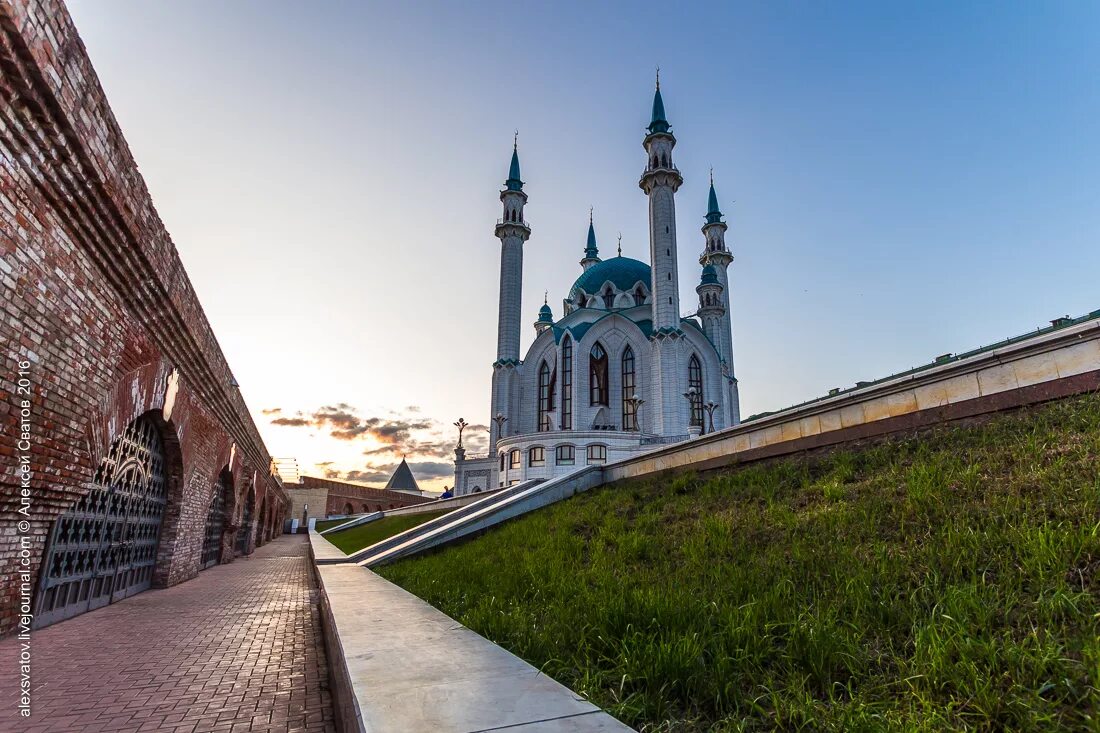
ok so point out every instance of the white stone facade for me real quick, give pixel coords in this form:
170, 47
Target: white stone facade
621, 342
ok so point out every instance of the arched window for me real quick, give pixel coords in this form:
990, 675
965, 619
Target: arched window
695, 386
609, 298
597, 375
502, 463
639, 295
566, 422
348, 509
630, 417
546, 396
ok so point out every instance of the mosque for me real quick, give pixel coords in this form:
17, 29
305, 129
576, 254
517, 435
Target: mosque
622, 370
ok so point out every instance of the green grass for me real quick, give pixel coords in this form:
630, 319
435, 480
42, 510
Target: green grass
944, 581
323, 524
364, 535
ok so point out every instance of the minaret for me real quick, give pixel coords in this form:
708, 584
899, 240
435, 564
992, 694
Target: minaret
591, 253
546, 316
717, 255
660, 182
512, 231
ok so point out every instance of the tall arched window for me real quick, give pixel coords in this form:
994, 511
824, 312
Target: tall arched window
566, 383
630, 417
597, 375
695, 386
546, 396
639, 295
609, 298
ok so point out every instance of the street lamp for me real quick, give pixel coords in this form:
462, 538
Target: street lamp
636, 407
691, 395
500, 419
710, 407
461, 425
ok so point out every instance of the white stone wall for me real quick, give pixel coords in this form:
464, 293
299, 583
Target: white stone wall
662, 257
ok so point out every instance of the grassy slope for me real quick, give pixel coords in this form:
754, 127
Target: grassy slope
364, 535
323, 524
945, 581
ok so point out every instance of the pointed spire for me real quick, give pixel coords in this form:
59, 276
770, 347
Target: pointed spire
514, 183
590, 250
658, 123
713, 213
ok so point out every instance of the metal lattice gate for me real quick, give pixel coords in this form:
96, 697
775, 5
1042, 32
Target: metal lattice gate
215, 523
105, 547
246, 523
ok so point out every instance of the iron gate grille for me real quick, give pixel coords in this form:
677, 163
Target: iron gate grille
215, 522
246, 523
105, 547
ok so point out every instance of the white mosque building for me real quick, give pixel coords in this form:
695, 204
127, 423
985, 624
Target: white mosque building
622, 370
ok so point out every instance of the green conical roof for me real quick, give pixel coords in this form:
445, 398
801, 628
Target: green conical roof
713, 213
709, 275
658, 123
514, 183
590, 250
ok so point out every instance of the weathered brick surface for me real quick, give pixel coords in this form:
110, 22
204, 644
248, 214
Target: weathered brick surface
238, 649
94, 296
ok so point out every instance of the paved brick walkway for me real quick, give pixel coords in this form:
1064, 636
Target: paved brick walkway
239, 648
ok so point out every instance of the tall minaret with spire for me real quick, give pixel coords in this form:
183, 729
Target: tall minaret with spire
660, 182
591, 253
717, 256
513, 231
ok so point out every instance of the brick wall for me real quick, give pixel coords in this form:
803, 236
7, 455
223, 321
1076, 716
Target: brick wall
94, 296
334, 495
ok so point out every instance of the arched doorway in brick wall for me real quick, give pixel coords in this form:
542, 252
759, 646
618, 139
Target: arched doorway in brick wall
248, 518
104, 548
215, 520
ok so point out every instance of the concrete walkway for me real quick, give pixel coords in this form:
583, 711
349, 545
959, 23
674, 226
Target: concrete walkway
239, 648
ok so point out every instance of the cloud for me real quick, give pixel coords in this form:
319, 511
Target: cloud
272, 411
344, 423
380, 473
294, 422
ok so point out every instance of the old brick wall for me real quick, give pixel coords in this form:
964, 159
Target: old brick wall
94, 296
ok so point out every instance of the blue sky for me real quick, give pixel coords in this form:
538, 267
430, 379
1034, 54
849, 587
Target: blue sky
900, 180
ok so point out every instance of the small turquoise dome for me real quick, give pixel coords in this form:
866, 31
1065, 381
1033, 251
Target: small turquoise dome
545, 314
710, 275
622, 272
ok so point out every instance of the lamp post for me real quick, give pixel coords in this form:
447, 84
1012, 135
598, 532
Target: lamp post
500, 419
636, 407
690, 396
461, 425
710, 407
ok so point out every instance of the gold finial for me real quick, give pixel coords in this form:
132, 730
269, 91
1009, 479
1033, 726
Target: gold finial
546, 297
658, 77
620, 244
589, 214
712, 175
515, 141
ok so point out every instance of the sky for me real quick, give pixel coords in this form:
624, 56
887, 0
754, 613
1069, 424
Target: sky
900, 180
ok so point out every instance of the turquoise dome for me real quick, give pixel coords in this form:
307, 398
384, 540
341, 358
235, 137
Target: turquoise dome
710, 275
545, 314
623, 272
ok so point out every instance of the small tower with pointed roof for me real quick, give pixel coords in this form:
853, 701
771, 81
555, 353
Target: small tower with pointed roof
718, 257
591, 252
546, 316
403, 480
